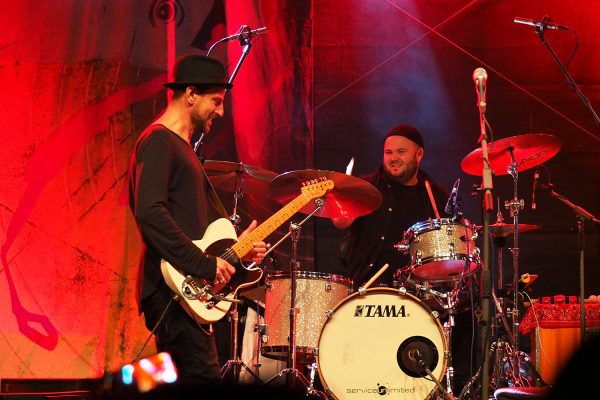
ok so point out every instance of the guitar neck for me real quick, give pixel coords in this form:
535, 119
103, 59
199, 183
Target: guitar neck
244, 246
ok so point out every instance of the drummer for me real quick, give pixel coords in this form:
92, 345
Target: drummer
409, 196
406, 200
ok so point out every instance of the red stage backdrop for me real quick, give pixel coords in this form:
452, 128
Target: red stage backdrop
80, 80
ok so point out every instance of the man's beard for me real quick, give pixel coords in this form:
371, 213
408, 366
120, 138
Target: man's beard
409, 171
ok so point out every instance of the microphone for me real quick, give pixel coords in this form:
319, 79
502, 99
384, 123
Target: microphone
245, 34
543, 24
480, 78
451, 203
536, 179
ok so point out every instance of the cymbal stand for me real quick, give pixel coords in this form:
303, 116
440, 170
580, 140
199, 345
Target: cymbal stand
236, 364
499, 244
515, 205
291, 372
237, 195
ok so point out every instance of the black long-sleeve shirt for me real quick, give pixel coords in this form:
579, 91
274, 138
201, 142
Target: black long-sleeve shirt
168, 197
370, 241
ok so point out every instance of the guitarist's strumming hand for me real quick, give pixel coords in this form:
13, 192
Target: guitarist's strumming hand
224, 272
259, 248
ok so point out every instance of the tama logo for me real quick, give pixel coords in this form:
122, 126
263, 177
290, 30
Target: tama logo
379, 311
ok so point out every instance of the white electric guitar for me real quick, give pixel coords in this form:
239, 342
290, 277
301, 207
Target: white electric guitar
206, 303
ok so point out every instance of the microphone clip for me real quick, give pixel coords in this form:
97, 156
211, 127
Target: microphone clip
245, 35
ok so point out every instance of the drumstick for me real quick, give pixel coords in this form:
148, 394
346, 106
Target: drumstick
377, 275
432, 199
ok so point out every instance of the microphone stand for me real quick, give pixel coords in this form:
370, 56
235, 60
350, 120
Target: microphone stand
488, 208
244, 41
539, 30
581, 216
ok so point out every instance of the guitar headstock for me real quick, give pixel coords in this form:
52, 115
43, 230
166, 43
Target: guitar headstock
317, 187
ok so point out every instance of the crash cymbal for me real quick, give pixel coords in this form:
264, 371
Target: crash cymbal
350, 196
501, 229
529, 151
224, 175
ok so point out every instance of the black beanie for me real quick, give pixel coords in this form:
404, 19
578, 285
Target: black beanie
409, 132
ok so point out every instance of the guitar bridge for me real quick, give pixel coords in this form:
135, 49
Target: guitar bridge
193, 290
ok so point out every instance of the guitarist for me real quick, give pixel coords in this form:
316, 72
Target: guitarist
172, 204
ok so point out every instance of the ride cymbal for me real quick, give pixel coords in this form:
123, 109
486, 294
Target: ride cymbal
350, 197
528, 150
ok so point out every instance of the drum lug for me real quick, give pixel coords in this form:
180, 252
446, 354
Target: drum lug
402, 290
328, 286
269, 286
418, 256
449, 230
451, 250
329, 313
402, 247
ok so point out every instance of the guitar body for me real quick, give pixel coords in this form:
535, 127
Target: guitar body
205, 308
203, 302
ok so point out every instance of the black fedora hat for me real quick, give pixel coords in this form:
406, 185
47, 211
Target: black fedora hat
196, 70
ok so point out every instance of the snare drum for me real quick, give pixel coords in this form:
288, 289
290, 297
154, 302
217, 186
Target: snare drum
441, 250
368, 347
316, 294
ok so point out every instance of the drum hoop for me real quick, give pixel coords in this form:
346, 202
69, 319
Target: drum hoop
430, 224
398, 293
310, 275
454, 257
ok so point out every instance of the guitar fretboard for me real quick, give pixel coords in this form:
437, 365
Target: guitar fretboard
244, 246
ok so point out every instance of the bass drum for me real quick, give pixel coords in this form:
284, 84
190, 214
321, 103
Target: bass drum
371, 345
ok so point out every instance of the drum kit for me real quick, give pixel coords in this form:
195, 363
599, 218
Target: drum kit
386, 341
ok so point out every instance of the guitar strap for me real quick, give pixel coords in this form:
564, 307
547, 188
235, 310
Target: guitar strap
214, 197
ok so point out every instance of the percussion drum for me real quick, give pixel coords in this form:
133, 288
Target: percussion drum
371, 344
316, 294
441, 250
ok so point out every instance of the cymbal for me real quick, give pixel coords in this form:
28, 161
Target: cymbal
252, 180
350, 197
529, 151
502, 229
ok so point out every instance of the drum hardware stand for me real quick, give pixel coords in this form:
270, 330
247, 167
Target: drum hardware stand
451, 299
291, 373
236, 363
515, 205
447, 327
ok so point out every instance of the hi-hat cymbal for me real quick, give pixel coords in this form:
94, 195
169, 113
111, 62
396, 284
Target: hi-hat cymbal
227, 175
502, 229
529, 151
350, 197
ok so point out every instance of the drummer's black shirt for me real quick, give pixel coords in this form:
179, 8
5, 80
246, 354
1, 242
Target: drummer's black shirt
370, 243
